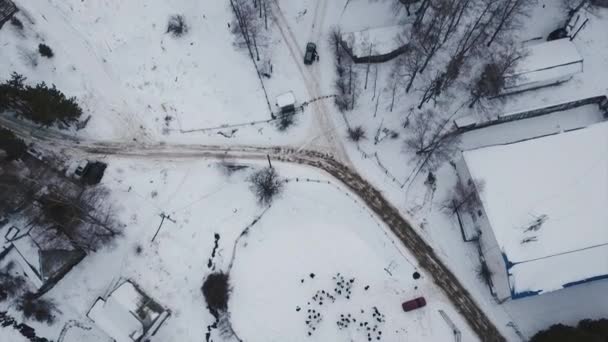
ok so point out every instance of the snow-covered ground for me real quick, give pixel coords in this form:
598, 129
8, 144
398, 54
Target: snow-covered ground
137, 82
314, 232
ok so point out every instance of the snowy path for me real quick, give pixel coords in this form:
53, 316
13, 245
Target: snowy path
325, 128
373, 198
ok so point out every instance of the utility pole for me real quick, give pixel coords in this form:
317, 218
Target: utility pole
163, 217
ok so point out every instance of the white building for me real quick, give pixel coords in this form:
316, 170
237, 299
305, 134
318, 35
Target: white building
128, 314
544, 215
543, 65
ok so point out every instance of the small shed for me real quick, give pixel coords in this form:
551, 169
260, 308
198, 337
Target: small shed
7, 10
127, 314
545, 64
375, 45
286, 103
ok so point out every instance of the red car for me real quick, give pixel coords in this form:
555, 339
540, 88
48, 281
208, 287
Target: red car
413, 304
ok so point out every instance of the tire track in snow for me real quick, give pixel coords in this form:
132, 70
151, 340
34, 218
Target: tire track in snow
322, 117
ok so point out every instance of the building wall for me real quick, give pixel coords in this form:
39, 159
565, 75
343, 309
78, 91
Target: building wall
375, 58
488, 245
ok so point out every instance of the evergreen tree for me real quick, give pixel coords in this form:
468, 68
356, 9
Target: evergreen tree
38, 103
14, 147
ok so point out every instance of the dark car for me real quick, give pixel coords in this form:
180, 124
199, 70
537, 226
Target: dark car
311, 53
413, 304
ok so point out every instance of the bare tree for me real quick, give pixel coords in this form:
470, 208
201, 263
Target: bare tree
509, 14
465, 196
266, 185
430, 142
86, 219
492, 79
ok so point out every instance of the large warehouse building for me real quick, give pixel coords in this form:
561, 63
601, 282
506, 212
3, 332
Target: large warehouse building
544, 210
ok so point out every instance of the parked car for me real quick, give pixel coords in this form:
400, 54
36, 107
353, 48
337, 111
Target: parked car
311, 53
81, 168
413, 304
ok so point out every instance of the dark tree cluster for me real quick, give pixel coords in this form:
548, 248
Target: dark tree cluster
266, 184
38, 309
14, 147
285, 120
40, 103
586, 330
346, 76
57, 210
45, 51
216, 290
83, 219
11, 285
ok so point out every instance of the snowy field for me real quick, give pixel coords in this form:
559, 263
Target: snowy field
314, 232
139, 83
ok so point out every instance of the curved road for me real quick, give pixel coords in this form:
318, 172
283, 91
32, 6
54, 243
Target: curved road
426, 256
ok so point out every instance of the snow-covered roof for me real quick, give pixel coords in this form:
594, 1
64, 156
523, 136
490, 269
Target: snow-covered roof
117, 315
546, 62
375, 41
546, 201
286, 99
126, 314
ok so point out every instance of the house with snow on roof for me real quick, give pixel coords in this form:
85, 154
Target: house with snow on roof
128, 314
542, 216
44, 255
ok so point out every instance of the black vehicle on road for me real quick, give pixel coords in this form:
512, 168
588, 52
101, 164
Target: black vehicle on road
311, 53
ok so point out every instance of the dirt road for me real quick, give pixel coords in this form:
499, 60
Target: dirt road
426, 256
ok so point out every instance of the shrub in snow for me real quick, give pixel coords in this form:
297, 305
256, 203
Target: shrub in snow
216, 290
484, 273
356, 134
266, 185
16, 23
10, 285
45, 51
177, 26
139, 249
38, 309
465, 196
41, 104
285, 120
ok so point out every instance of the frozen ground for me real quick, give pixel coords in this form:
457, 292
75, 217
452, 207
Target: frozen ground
129, 75
312, 233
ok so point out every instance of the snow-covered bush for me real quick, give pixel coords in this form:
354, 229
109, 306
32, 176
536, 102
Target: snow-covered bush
177, 26
357, 133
